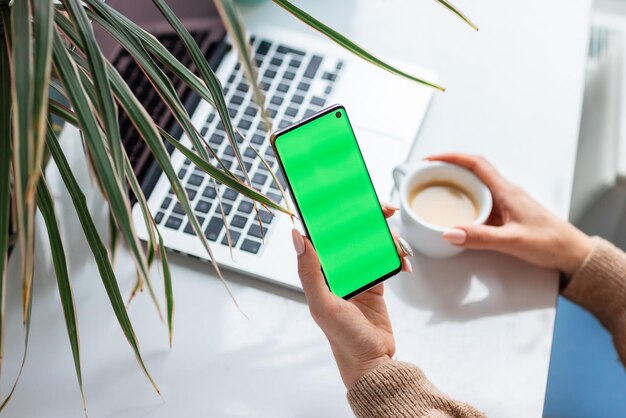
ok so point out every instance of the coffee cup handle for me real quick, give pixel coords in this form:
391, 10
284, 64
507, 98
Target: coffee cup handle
398, 174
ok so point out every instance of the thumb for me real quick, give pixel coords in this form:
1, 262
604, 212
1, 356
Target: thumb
479, 237
313, 282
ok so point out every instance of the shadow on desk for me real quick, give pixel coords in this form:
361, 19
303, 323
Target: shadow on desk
472, 285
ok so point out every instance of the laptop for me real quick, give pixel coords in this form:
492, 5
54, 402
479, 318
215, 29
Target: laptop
301, 74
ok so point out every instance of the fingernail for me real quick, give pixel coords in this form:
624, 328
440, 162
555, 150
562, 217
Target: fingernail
405, 247
298, 242
455, 236
390, 206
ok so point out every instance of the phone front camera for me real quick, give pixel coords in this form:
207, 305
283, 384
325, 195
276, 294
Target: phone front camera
338, 114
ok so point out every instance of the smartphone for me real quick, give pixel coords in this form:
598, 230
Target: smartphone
334, 195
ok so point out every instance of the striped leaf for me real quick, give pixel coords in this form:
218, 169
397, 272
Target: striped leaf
460, 15
5, 168
349, 44
97, 247
234, 25
46, 207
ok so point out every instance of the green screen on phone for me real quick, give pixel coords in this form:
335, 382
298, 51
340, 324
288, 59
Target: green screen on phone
337, 202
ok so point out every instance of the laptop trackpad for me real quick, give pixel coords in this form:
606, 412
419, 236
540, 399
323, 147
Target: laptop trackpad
381, 101
381, 153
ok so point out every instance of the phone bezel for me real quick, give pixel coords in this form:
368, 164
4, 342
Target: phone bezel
274, 137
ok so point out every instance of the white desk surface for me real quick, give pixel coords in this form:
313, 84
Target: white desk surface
480, 325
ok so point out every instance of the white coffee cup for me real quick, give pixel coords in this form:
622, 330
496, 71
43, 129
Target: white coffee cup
426, 237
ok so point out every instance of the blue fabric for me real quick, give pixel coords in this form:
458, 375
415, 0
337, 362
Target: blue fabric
586, 378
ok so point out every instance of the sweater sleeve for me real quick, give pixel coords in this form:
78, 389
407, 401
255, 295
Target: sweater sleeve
396, 389
599, 285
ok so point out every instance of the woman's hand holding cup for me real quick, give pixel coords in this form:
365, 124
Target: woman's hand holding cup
518, 225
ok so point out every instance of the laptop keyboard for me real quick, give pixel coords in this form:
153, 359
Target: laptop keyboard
297, 83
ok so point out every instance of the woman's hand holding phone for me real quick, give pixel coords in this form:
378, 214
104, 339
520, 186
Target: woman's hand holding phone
359, 330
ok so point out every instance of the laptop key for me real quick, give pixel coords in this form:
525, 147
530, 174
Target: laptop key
239, 221
216, 139
264, 46
227, 208
191, 193
166, 203
250, 111
276, 100
209, 192
275, 197
255, 231
251, 246
173, 222
245, 124
236, 99
291, 111
203, 206
204, 131
266, 217
318, 101
230, 194
214, 228
234, 237
178, 209
270, 73
297, 99
229, 151
283, 88
304, 86
249, 152
245, 206
189, 229
257, 139
158, 218
182, 173
259, 179
195, 180
313, 66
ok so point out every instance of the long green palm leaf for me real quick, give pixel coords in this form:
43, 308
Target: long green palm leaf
46, 207
234, 25
24, 139
104, 98
5, 171
98, 249
456, 11
103, 165
348, 44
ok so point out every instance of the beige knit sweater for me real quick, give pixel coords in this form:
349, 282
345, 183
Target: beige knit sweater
397, 389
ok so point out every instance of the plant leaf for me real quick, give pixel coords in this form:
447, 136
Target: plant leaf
456, 11
104, 98
169, 293
24, 140
221, 177
43, 25
148, 131
209, 77
98, 248
348, 44
46, 207
234, 25
114, 189
5, 171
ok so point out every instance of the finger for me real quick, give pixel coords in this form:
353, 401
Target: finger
478, 165
402, 247
406, 265
479, 237
317, 293
388, 209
